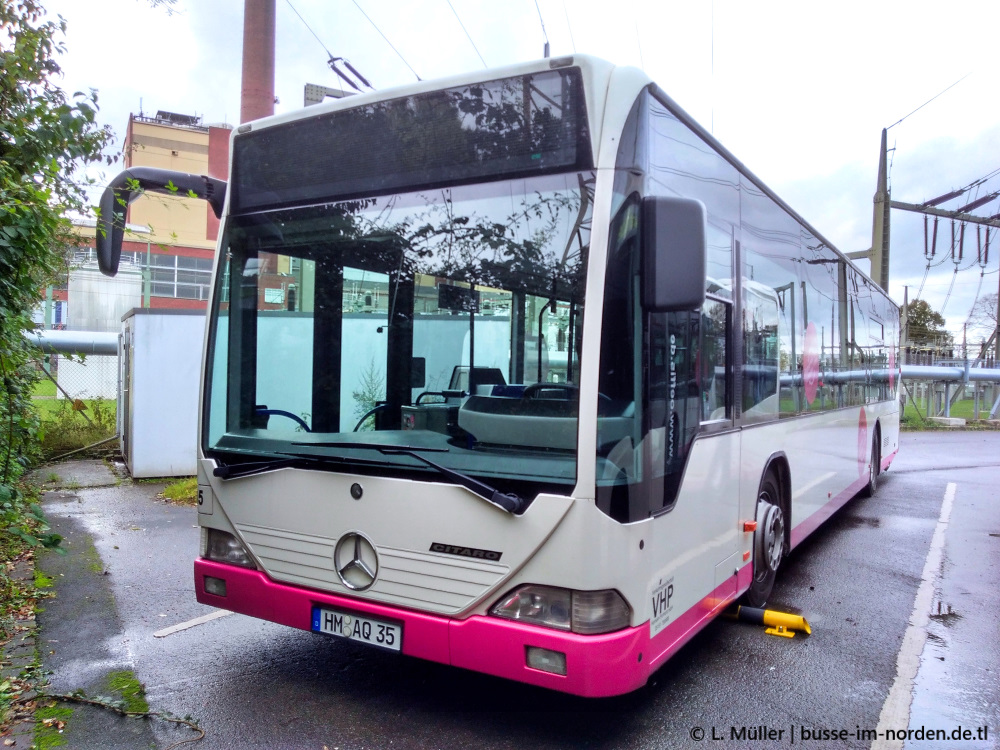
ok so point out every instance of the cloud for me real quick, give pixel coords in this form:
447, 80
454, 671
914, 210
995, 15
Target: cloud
839, 205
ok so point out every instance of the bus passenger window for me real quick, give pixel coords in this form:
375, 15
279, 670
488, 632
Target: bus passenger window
713, 365
760, 352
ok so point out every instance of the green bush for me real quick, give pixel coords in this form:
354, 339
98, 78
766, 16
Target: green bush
46, 137
64, 428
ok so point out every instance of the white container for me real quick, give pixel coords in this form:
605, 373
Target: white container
158, 399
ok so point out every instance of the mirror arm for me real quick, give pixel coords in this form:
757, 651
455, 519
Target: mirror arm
128, 186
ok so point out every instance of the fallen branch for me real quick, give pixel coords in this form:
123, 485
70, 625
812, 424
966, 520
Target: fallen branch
118, 707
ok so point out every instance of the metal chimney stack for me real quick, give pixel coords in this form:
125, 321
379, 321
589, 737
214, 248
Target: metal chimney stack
257, 97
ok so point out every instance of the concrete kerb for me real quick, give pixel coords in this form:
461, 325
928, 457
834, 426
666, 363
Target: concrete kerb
949, 422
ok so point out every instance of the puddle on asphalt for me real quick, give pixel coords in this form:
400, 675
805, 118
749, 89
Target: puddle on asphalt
946, 694
857, 522
889, 523
945, 614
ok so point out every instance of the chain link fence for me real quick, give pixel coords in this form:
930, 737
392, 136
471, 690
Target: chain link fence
970, 402
76, 399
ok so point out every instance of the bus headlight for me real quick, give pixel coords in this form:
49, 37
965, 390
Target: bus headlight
584, 612
224, 547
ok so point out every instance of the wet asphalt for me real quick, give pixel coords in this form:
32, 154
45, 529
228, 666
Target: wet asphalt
253, 684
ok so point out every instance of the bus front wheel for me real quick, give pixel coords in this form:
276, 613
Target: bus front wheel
769, 541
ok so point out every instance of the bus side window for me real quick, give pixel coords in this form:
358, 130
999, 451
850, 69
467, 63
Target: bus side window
713, 362
760, 352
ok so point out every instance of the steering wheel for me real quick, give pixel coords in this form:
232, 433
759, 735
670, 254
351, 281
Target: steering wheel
569, 389
283, 413
534, 389
375, 410
438, 394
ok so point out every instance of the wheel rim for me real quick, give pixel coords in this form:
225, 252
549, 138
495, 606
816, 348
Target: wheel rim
771, 534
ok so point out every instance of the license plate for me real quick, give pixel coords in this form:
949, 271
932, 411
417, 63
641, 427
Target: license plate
357, 628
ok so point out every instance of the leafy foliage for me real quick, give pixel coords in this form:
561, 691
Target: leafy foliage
372, 391
64, 429
925, 326
46, 138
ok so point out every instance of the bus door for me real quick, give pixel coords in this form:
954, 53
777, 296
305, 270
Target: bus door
665, 379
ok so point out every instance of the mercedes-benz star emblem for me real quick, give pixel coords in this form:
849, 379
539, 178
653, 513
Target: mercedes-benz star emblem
356, 561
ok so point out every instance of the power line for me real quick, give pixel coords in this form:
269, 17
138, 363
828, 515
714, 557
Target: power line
542, 22
572, 41
930, 100
315, 35
331, 60
981, 262
960, 191
975, 301
398, 53
467, 35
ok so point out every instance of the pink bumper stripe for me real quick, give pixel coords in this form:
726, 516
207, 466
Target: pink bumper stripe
886, 460
250, 592
596, 666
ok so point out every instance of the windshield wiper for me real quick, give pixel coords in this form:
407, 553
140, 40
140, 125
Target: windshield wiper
233, 471
381, 447
509, 503
291, 460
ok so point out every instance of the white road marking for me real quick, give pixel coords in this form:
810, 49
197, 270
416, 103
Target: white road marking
896, 709
191, 623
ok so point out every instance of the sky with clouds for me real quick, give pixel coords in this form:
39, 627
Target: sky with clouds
799, 91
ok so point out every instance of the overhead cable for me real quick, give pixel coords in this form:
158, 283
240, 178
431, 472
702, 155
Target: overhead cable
331, 60
961, 191
306, 23
542, 22
467, 35
398, 53
572, 41
978, 202
929, 101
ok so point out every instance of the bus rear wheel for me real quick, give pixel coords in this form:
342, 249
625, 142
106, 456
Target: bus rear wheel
874, 468
769, 542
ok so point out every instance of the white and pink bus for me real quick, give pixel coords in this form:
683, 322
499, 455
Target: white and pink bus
519, 371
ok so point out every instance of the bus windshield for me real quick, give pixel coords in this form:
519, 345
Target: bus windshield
443, 320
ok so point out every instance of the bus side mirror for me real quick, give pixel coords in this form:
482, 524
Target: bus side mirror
111, 224
128, 186
674, 254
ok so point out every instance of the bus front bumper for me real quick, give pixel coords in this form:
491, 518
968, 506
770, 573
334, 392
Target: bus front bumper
596, 665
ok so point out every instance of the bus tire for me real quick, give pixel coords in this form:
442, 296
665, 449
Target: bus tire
768, 541
875, 467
